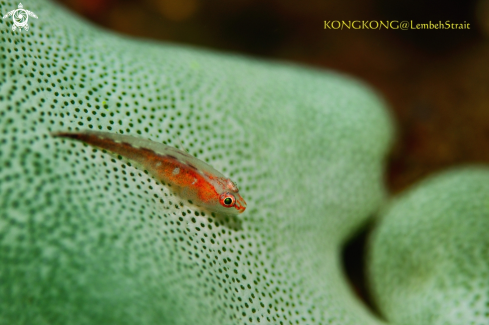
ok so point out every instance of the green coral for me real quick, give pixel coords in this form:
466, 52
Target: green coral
86, 238
429, 260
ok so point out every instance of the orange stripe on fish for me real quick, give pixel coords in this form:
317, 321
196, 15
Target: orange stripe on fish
190, 178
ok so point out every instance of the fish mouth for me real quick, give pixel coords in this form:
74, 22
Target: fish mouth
240, 204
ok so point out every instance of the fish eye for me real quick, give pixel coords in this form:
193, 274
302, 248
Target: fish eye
227, 200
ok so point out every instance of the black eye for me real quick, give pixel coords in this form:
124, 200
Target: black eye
228, 201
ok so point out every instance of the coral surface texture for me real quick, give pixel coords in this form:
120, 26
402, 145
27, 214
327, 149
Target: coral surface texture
429, 258
88, 238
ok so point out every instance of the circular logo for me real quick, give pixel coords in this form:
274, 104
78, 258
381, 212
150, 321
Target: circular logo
20, 17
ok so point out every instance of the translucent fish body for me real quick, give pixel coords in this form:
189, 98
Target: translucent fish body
190, 178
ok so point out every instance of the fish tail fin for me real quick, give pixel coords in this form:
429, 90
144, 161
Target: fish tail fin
106, 141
